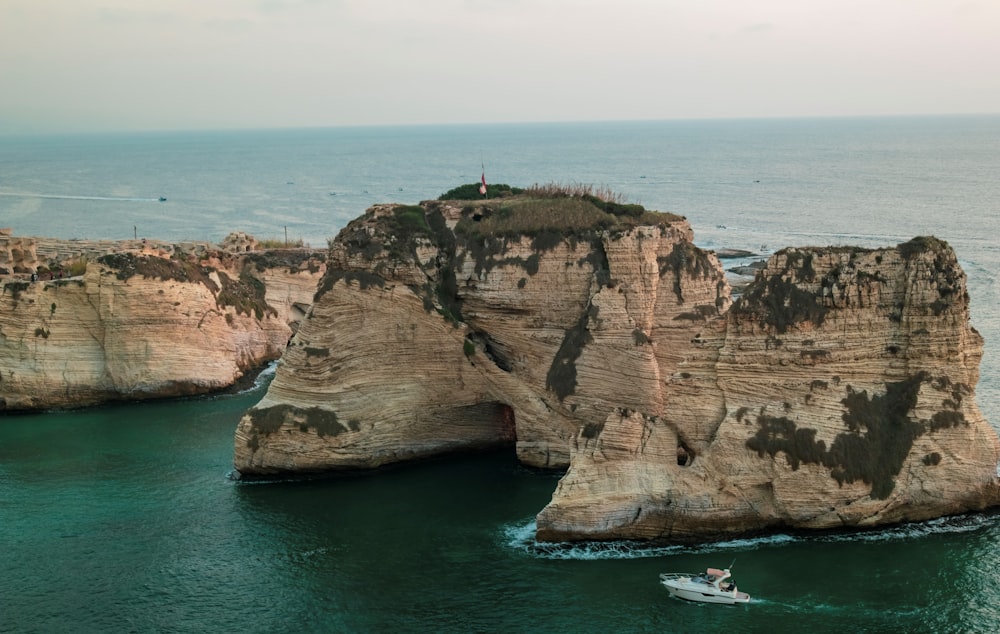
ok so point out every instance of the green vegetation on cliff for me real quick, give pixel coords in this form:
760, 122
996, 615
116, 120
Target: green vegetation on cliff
267, 421
485, 230
801, 290
549, 215
561, 377
471, 192
685, 258
921, 244
780, 303
880, 432
573, 212
127, 265
246, 295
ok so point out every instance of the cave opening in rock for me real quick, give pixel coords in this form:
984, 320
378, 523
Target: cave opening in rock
685, 456
488, 425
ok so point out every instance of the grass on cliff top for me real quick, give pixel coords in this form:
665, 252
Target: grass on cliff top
471, 192
543, 208
921, 244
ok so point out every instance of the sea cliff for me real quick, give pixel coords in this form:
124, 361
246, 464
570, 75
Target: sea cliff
87, 322
848, 381
595, 337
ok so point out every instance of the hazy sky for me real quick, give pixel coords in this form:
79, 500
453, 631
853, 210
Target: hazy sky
94, 65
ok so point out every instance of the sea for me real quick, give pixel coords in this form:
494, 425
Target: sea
125, 517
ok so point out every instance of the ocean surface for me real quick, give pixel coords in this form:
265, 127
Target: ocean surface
124, 518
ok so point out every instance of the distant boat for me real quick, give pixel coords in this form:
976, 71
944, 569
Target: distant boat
163, 199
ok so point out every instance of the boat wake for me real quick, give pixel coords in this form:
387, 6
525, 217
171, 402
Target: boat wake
847, 610
804, 607
74, 197
522, 537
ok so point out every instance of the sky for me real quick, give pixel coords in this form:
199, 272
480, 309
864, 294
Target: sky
109, 65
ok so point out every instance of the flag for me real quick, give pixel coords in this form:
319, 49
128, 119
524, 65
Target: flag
482, 188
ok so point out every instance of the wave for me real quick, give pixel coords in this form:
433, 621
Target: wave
522, 537
263, 378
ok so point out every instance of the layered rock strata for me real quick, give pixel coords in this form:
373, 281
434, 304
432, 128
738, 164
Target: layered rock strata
487, 338
838, 391
848, 378
134, 324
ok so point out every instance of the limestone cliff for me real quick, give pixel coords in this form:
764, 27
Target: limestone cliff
137, 323
848, 379
838, 390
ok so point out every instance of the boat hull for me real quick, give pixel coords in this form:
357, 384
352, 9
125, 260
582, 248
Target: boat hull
702, 593
701, 597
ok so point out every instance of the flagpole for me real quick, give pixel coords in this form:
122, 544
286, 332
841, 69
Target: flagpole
482, 179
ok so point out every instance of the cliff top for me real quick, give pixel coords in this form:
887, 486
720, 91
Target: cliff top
517, 211
547, 214
22, 256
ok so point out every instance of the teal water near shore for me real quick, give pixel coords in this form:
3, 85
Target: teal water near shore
123, 518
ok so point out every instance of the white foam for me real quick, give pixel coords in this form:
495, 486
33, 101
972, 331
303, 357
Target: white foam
522, 537
262, 379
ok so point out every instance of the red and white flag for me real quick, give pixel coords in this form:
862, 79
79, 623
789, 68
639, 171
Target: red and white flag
482, 188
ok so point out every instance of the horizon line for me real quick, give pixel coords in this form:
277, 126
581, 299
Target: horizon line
368, 126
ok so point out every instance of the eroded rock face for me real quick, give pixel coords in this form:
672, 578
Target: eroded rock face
530, 327
136, 325
838, 391
17, 255
848, 378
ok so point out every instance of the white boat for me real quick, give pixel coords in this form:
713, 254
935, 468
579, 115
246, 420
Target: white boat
712, 586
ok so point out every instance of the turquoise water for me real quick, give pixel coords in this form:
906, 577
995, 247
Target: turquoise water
123, 518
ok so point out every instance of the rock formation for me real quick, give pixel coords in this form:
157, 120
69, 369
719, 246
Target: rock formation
17, 255
136, 323
847, 378
838, 391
